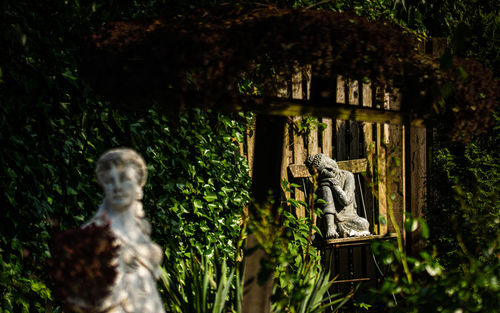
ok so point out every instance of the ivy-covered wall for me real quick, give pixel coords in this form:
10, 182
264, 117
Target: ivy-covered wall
53, 129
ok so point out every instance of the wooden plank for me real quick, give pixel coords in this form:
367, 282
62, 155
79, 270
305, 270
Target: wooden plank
312, 142
286, 159
354, 142
284, 91
354, 166
354, 280
241, 148
359, 262
340, 142
312, 138
354, 92
250, 142
381, 181
340, 111
284, 87
299, 151
327, 137
366, 240
395, 179
340, 98
299, 170
417, 192
344, 268
369, 151
340, 125
297, 85
354, 145
404, 177
307, 78
387, 97
354, 153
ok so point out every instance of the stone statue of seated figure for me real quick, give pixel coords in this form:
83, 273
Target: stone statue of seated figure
336, 187
122, 174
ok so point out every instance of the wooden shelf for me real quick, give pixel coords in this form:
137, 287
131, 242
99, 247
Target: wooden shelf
352, 241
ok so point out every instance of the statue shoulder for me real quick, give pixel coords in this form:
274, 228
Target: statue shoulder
347, 174
99, 218
347, 179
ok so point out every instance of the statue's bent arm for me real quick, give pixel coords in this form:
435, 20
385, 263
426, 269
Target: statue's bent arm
325, 193
345, 195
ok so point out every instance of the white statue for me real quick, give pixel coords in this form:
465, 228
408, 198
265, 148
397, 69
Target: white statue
336, 187
122, 174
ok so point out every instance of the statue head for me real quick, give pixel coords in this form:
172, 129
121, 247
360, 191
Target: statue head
320, 162
121, 173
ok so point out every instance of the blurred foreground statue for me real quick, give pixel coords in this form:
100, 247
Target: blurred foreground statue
336, 187
110, 264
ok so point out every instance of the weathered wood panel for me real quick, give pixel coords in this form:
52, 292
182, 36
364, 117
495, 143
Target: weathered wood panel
250, 143
417, 193
326, 137
340, 125
354, 166
369, 152
299, 149
361, 145
381, 181
395, 174
284, 91
286, 154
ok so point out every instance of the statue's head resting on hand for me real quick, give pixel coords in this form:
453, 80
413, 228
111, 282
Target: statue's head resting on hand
321, 163
121, 173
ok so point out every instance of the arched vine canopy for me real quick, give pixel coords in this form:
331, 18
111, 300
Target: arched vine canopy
207, 57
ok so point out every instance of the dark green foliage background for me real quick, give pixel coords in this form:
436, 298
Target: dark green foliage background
464, 189
53, 129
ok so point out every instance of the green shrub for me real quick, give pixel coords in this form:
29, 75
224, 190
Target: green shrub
472, 287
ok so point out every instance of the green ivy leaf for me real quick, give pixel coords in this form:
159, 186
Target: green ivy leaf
210, 196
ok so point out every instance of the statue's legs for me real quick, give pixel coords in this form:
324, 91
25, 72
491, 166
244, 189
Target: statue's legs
331, 227
330, 212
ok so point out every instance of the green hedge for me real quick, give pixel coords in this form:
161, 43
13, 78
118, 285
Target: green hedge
53, 129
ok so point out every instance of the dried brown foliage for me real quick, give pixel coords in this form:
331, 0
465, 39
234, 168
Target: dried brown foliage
199, 58
81, 264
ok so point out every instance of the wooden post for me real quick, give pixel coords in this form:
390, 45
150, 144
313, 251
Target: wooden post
326, 137
284, 91
312, 142
355, 153
340, 131
342, 258
250, 142
266, 177
381, 181
299, 151
286, 155
396, 192
381, 165
418, 142
415, 181
369, 150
